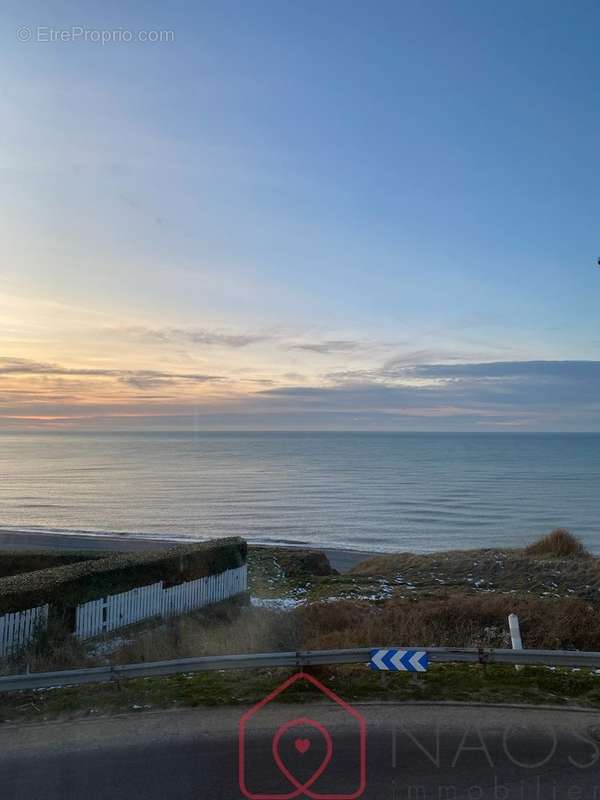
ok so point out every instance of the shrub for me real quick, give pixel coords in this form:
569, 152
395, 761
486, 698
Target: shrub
300, 563
17, 562
65, 587
558, 544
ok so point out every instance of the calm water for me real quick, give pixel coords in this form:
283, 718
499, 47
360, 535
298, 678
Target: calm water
363, 491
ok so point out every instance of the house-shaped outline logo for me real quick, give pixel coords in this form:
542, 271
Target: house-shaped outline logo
302, 790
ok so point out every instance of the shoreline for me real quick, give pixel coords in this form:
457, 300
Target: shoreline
15, 540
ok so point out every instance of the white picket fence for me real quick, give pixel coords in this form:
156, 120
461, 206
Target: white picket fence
118, 610
18, 628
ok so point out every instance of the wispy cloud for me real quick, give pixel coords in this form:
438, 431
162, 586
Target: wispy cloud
328, 346
201, 336
575, 371
134, 377
535, 395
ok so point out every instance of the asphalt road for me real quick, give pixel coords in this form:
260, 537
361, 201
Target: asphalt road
417, 752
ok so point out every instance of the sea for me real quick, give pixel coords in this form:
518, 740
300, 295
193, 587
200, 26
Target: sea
377, 492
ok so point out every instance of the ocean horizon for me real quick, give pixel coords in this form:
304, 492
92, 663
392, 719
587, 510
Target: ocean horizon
370, 491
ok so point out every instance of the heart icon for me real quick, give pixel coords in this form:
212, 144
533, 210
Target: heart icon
302, 745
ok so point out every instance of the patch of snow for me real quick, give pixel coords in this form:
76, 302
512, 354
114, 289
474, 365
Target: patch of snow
110, 646
338, 598
276, 603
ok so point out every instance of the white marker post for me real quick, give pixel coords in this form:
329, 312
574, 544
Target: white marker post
515, 635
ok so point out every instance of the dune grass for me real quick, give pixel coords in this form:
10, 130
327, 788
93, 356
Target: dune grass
555, 565
560, 543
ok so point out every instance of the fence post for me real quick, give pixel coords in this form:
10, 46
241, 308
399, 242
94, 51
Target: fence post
515, 635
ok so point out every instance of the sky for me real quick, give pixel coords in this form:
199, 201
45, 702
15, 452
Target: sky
300, 216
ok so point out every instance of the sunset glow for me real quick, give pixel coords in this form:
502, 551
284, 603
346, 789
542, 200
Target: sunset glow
187, 248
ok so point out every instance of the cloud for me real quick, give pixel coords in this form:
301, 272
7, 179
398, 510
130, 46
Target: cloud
135, 377
142, 379
574, 371
212, 338
225, 339
427, 357
203, 336
517, 393
521, 395
16, 366
327, 347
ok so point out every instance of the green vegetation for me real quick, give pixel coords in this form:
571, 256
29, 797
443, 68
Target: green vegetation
16, 562
356, 683
64, 587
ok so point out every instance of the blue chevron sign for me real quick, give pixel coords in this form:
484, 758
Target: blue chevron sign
399, 660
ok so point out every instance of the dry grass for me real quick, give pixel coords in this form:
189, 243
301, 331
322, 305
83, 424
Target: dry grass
460, 620
391, 563
219, 631
558, 544
223, 632
50, 650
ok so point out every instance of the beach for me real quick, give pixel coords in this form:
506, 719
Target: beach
341, 560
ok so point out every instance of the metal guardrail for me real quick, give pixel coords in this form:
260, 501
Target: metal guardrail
303, 658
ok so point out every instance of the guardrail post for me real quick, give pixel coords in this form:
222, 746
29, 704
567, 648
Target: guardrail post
114, 678
515, 635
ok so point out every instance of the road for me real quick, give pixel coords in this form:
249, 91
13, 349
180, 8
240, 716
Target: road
414, 752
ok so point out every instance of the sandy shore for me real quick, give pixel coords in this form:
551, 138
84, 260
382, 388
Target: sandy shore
341, 560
